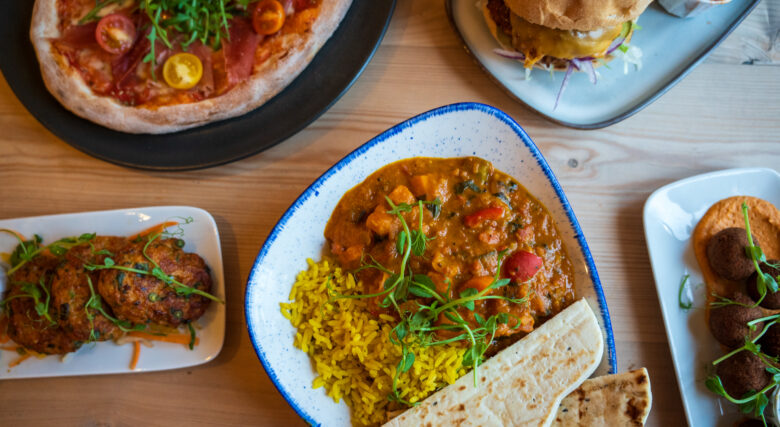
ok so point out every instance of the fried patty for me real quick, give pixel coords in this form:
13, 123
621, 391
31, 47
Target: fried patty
143, 298
71, 291
500, 14
25, 326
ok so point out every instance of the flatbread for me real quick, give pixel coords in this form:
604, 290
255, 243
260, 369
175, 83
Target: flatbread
524, 383
267, 79
612, 400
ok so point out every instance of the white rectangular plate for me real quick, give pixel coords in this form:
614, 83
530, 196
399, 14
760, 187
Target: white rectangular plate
670, 215
201, 236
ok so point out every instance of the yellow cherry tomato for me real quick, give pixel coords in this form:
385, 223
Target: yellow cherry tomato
268, 17
182, 71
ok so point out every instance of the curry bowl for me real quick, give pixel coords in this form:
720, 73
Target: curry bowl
457, 130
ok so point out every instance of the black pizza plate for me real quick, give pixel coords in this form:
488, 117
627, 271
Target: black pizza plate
335, 68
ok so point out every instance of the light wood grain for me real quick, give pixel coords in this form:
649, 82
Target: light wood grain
724, 114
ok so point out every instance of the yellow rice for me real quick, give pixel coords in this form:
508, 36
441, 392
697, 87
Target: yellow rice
350, 347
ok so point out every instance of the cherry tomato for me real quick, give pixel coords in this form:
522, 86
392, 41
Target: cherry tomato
521, 266
268, 17
115, 33
182, 71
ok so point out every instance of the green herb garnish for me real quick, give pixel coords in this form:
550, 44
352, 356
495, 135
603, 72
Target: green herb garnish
687, 305
421, 322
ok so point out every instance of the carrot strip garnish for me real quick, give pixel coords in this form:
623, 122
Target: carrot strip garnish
10, 348
159, 228
172, 338
136, 353
19, 360
15, 233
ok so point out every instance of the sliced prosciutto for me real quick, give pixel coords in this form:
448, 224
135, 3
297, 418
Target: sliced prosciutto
239, 51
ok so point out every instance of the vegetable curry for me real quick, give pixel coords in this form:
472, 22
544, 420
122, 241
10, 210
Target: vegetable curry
461, 234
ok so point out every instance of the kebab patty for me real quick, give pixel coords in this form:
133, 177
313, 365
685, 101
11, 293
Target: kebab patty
71, 292
143, 298
25, 326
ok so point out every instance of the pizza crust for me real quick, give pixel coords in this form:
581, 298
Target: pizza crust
276, 73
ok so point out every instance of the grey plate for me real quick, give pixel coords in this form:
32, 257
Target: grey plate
671, 48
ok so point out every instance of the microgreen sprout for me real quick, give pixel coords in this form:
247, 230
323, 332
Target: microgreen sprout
756, 402
29, 249
764, 281
95, 303
687, 305
33, 291
156, 271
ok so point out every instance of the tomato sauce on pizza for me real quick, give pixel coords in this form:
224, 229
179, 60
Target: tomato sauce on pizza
154, 52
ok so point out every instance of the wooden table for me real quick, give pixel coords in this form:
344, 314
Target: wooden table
725, 114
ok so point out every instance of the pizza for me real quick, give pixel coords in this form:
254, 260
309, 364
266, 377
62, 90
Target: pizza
159, 66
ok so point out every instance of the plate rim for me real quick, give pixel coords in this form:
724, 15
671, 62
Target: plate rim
619, 118
211, 226
346, 160
645, 222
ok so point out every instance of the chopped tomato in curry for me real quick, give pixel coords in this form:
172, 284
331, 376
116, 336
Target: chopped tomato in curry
477, 215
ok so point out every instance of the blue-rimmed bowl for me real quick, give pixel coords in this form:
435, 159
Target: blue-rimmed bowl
456, 130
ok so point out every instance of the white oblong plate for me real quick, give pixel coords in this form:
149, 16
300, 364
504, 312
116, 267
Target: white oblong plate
670, 215
201, 236
617, 95
456, 130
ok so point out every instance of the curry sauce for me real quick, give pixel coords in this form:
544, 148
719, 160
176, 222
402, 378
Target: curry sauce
476, 220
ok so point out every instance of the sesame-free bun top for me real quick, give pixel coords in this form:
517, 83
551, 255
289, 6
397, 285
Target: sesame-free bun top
582, 15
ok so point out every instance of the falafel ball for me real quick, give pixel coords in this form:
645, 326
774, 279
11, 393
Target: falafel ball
772, 299
25, 326
729, 323
727, 256
143, 298
743, 373
770, 342
71, 291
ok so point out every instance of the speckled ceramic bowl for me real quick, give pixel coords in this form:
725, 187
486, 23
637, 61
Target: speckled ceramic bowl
451, 131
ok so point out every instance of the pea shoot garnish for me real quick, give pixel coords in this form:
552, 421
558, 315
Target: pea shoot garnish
683, 305
197, 20
435, 317
26, 250
753, 403
764, 281
33, 290
156, 271
95, 303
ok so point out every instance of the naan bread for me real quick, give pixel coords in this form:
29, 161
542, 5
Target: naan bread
523, 384
612, 400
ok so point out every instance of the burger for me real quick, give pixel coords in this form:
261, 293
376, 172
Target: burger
570, 35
